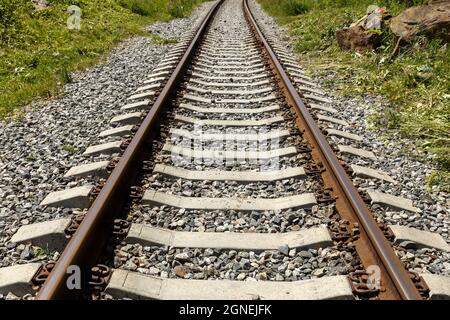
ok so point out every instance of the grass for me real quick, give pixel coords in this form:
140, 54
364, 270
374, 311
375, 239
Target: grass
69, 148
157, 39
38, 52
42, 253
165, 9
417, 82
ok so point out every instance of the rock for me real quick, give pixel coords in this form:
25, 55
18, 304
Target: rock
127, 247
11, 296
279, 277
284, 249
180, 271
291, 217
305, 254
181, 223
117, 262
26, 253
130, 265
122, 254
409, 256
292, 252
142, 270
183, 256
199, 276
244, 264
432, 20
153, 271
360, 35
244, 254
348, 256
281, 268
220, 229
210, 260
276, 220
187, 193
241, 276
261, 276
255, 215
357, 39
10, 245
318, 272
374, 18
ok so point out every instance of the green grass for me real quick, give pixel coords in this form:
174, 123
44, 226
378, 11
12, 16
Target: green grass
157, 39
38, 52
163, 8
69, 148
43, 253
417, 83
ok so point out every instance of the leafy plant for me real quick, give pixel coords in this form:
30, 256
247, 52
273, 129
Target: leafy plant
69, 148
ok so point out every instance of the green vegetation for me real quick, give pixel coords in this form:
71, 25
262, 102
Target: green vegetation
42, 253
38, 52
162, 9
417, 82
69, 148
162, 41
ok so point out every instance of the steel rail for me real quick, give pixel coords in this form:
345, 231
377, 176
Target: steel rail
85, 246
393, 274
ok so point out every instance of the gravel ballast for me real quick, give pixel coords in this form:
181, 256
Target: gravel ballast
234, 265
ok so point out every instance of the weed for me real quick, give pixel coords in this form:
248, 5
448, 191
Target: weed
439, 178
162, 41
69, 148
42, 253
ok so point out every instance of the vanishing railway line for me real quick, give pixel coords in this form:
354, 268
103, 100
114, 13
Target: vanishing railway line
222, 184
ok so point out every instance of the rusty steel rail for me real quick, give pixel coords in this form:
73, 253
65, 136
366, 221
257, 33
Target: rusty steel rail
85, 246
372, 246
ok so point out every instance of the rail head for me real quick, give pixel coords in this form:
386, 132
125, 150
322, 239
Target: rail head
396, 272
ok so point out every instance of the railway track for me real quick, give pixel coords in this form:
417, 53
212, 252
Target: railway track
222, 183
